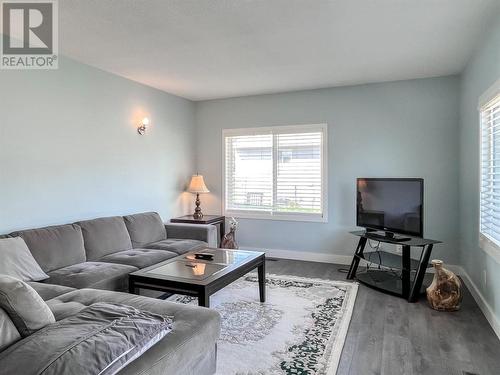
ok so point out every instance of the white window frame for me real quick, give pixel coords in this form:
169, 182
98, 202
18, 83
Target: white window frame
486, 243
283, 129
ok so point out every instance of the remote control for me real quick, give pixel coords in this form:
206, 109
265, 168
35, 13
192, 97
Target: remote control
204, 256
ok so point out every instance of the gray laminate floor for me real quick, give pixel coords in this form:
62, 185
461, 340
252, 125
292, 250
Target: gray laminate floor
389, 336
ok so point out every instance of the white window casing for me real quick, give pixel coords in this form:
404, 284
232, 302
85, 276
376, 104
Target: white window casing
489, 171
277, 172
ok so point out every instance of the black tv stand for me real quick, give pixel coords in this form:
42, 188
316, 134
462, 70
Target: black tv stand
386, 236
409, 285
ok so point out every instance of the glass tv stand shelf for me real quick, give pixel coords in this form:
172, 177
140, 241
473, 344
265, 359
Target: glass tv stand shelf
408, 285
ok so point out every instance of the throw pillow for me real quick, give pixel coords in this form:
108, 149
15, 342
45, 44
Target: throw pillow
8, 331
18, 262
25, 307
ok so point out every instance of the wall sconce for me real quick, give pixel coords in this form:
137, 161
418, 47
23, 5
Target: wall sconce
143, 126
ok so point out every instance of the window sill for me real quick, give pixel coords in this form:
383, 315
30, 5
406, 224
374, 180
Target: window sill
489, 247
277, 217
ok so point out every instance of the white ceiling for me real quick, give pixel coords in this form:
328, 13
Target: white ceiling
206, 49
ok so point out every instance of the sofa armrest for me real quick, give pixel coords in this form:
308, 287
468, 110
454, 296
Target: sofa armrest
201, 232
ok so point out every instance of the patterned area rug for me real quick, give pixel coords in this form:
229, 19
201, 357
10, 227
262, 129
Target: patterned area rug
300, 329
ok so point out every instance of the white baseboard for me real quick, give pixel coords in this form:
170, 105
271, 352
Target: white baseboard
479, 298
346, 260
306, 256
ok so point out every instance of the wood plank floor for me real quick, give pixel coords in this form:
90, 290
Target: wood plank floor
389, 336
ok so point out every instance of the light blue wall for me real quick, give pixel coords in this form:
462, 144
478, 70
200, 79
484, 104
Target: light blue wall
399, 129
69, 147
480, 74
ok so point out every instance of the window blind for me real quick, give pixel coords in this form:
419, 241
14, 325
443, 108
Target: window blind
278, 171
249, 172
490, 170
298, 174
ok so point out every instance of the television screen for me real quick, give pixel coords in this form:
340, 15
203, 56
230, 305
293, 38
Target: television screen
391, 204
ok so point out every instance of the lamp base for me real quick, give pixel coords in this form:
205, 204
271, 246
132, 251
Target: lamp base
197, 211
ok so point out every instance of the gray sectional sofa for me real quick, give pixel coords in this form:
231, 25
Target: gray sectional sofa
89, 261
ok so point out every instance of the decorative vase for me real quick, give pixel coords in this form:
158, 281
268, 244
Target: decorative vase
229, 240
445, 292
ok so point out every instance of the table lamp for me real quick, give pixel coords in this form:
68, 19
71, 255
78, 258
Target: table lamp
197, 186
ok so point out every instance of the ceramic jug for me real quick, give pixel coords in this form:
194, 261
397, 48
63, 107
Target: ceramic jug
445, 292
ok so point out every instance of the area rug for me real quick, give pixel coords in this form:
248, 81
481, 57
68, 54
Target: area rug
300, 329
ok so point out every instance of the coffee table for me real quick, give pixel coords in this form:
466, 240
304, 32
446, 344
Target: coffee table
185, 274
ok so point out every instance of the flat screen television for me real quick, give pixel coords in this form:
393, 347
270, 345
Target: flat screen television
393, 205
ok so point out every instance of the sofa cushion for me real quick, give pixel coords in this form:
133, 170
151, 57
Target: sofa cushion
8, 331
194, 332
145, 228
104, 236
18, 262
96, 275
178, 246
102, 339
49, 291
139, 258
24, 306
55, 247
201, 232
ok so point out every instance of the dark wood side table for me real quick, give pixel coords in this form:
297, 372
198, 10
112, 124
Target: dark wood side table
219, 221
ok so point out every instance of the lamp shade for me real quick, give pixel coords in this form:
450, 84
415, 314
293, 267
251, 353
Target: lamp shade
197, 185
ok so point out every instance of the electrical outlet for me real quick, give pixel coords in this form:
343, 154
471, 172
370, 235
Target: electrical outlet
484, 278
